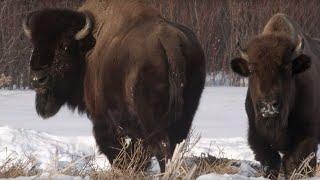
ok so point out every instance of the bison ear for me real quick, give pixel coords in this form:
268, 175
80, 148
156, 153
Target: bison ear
240, 66
300, 64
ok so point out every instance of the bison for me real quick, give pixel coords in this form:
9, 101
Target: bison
133, 72
283, 99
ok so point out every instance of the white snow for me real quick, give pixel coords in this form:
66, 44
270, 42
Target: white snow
231, 148
64, 150
53, 153
17, 110
48, 150
220, 115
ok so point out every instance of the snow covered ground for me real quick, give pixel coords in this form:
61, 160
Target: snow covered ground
65, 138
220, 115
54, 153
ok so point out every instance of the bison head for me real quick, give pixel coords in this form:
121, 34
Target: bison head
60, 40
272, 62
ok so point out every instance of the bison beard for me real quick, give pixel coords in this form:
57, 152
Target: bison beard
270, 127
47, 105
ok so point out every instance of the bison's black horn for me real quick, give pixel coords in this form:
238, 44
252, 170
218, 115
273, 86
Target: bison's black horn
243, 52
85, 30
26, 28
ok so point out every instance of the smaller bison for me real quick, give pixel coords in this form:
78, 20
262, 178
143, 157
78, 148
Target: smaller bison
283, 97
134, 73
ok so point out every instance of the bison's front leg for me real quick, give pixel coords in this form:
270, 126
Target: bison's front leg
107, 142
304, 152
163, 152
269, 158
160, 147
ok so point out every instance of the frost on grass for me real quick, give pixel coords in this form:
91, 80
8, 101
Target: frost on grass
39, 155
13, 167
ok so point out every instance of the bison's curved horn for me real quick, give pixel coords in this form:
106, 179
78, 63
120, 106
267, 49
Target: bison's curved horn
85, 30
300, 45
243, 52
292, 30
26, 28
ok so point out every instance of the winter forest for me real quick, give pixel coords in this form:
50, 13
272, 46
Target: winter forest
217, 24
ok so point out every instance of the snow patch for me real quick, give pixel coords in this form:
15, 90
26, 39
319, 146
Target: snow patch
48, 150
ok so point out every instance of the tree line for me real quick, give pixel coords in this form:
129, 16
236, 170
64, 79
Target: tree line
217, 24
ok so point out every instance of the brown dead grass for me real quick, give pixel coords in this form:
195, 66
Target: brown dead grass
304, 169
131, 165
5, 80
12, 168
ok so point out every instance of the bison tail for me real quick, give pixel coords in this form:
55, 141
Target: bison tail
175, 61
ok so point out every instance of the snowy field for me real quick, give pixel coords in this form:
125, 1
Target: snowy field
221, 121
220, 115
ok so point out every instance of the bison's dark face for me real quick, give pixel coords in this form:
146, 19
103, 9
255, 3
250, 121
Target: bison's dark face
60, 39
272, 62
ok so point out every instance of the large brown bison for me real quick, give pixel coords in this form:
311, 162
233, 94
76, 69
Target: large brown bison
134, 73
283, 98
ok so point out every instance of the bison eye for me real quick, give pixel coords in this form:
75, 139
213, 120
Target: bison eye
66, 48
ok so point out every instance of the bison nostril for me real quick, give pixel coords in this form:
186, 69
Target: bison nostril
275, 104
261, 105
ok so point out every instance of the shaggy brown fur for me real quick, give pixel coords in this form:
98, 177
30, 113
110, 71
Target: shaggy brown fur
136, 74
278, 73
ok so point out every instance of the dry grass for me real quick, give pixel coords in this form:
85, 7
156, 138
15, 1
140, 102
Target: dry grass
129, 164
132, 161
11, 167
304, 169
181, 166
5, 80
184, 166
